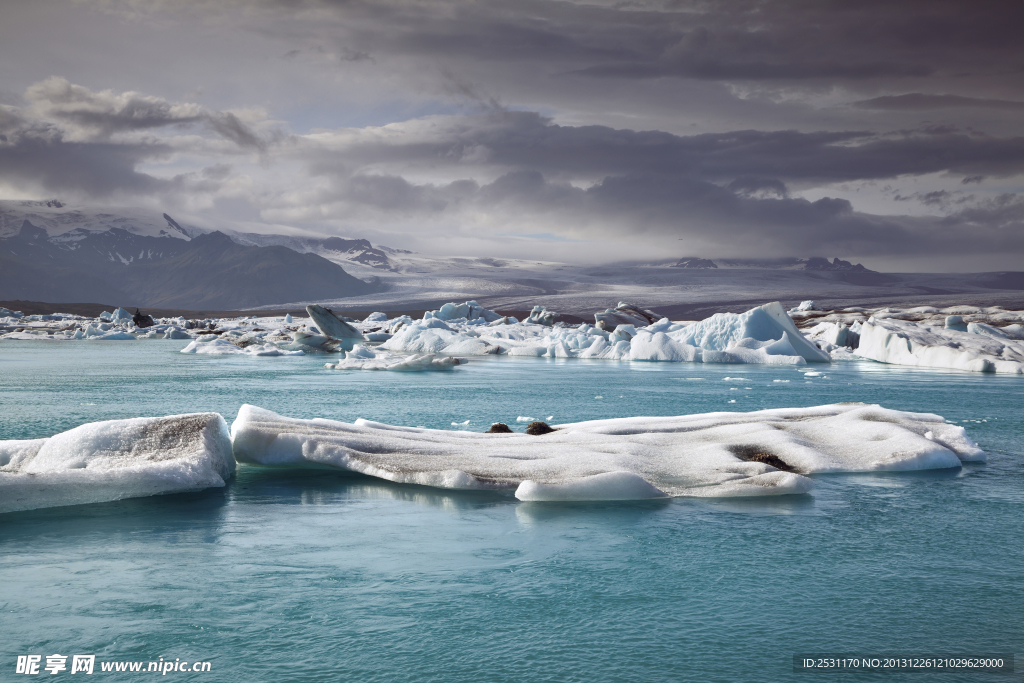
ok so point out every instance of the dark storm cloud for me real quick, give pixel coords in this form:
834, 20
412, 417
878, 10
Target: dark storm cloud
528, 141
718, 117
98, 169
745, 40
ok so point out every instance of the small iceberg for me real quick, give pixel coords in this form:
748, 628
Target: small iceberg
762, 453
116, 459
330, 325
362, 358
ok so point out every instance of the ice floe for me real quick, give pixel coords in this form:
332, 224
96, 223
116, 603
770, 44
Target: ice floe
116, 459
767, 452
362, 358
976, 349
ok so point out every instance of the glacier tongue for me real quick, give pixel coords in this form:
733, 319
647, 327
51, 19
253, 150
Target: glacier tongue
766, 452
116, 459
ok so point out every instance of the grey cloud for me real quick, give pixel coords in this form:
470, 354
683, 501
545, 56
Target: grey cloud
228, 126
525, 140
702, 39
106, 113
923, 102
98, 169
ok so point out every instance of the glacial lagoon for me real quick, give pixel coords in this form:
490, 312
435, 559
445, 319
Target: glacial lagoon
320, 575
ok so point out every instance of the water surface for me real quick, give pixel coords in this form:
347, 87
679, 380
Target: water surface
315, 575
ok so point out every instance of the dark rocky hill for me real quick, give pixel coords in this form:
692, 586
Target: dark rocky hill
207, 272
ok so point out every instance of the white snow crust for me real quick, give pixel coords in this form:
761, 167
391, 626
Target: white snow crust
707, 455
116, 459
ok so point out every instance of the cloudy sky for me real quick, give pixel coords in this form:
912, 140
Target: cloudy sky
890, 133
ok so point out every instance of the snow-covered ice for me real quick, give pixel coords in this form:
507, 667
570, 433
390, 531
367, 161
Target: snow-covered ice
908, 343
116, 459
767, 452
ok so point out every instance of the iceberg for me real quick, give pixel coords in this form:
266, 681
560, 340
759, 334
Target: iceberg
624, 314
902, 342
764, 323
768, 452
470, 310
222, 347
362, 358
762, 335
334, 327
116, 459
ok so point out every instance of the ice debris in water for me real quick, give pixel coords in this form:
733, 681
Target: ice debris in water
762, 335
117, 459
767, 452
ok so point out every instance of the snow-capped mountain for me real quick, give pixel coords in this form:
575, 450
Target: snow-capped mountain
153, 261
53, 252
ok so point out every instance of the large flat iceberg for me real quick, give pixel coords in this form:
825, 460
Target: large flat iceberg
116, 459
980, 349
760, 453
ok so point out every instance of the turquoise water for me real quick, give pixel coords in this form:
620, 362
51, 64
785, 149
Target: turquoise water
308, 576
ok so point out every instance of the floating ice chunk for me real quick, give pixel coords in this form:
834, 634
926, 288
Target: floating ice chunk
223, 347
394, 362
905, 343
418, 338
288, 318
625, 314
334, 327
715, 454
113, 460
470, 310
605, 486
173, 332
764, 323
522, 418
215, 346
833, 334
116, 335
120, 316
460, 424
360, 351
376, 317
542, 316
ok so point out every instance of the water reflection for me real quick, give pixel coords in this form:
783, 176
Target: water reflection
198, 516
330, 486
531, 514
